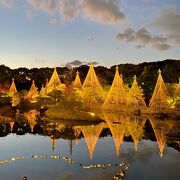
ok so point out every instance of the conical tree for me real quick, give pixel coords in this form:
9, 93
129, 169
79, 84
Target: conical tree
93, 92
12, 88
33, 92
42, 91
91, 135
77, 83
116, 123
135, 100
158, 103
55, 80
14, 94
116, 98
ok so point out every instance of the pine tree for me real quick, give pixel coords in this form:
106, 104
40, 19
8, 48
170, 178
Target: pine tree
92, 91
33, 92
135, 100
159, 100
116, 98
12, 88
77, 83
54, 81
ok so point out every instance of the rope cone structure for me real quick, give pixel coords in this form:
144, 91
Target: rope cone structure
158, 103
54, 80
12, 88
116, 98
77, 83
93, 92
135, 100
33, 92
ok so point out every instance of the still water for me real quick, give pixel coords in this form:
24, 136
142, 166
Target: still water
52, 149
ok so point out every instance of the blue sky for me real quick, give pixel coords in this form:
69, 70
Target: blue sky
39, 33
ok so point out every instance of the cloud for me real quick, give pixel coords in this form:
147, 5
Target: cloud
44, 5
142, 37
69, 9
53, 21
6, 3
102, 11
76, 63
168, 21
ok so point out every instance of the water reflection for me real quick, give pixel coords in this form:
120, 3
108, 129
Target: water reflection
107, 142
120, 126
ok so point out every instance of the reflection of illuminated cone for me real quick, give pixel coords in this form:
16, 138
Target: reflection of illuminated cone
161, 129
91, 134
77, 132
31, 117
116, 124
54, 143
11, 125
76, 141
136, 145
135, 128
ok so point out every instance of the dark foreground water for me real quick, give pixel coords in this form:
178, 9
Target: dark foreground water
84, 149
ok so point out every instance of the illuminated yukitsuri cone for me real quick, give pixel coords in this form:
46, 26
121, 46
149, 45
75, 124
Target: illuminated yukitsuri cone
33, 92
54, 81
177, 91
135, 100
91, 134
13, 94
135, 126
92, 88
42, 91
12, 88
31, 117
77, 83
161, 129
116, 98
158, 103
116, 124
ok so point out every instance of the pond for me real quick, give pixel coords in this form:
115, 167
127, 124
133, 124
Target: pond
135, 147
